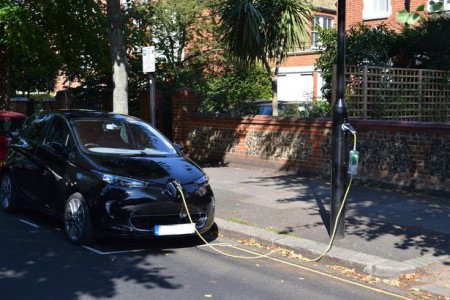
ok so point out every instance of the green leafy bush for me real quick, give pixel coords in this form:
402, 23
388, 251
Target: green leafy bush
236, 90
320, 109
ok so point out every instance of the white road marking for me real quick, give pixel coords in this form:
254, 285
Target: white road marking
29, 223
111, 252
217, 244
99, 252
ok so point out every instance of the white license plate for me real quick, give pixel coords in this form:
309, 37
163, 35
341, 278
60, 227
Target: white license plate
176, 229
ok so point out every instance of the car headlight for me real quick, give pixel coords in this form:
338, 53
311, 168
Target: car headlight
203, 184
119, 180
202, 180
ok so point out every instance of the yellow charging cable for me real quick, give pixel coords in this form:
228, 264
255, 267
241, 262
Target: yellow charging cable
211, 246
333, 235
330, 244
338, 217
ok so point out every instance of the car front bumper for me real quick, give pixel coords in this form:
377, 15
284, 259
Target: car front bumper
151, 212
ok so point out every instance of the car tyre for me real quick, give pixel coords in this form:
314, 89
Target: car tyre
8, 196
77, 221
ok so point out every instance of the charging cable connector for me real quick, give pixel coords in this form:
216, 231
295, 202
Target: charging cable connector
348, 127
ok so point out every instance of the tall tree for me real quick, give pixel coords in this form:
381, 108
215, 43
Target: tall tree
41, 38
118, 56
265, 31
180, 30
25, 50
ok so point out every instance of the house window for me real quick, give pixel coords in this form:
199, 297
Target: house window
319, 22
445, 7
376, 9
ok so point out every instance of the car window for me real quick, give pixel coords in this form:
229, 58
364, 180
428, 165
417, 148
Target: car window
11, 124
34, 127
58, 133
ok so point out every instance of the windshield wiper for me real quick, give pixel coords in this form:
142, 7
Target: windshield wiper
144, 154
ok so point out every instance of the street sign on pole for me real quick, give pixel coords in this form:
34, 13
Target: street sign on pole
148, 66
148, 59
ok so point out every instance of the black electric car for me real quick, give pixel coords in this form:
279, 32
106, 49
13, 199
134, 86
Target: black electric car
104, 173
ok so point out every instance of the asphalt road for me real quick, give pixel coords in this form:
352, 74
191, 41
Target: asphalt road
37, 262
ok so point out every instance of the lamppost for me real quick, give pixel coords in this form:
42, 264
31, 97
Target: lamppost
339, 144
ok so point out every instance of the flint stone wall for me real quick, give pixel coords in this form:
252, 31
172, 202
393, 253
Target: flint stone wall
408, 155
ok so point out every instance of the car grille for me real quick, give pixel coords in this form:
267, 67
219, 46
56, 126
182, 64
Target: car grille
146, 223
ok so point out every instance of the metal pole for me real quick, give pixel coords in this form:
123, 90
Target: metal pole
339, 163
152, 99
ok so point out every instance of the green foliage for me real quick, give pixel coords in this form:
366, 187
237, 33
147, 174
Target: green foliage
424, 46
183, 39
43, 38
409, 18
257, 31
26, 49
235, 91
314, 109
181, 33
364, 46
242, 29
319, 109
292, 110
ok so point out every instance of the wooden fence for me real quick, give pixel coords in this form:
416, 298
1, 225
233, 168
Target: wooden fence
397, 93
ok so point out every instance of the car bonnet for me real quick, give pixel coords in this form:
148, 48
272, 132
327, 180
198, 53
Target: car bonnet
152, 169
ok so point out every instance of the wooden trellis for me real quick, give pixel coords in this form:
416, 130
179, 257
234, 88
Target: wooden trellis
397, 93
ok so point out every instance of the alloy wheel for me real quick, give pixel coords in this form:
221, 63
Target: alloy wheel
75, 219
5, 193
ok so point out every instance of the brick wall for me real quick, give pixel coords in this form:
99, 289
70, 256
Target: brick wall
410, 155
354, 13
301, 60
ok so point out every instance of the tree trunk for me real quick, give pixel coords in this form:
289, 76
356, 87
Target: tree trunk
118, 57
274, 75
5, 76
274, 84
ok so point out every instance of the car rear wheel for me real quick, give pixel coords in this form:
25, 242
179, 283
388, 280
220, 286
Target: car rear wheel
77, 221
8, 196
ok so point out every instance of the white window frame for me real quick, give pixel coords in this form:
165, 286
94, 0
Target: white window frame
370, 11
325, 22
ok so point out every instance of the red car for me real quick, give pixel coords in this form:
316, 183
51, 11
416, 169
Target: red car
10, 125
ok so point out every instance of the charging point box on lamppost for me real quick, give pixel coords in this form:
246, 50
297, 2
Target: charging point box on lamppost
353, 162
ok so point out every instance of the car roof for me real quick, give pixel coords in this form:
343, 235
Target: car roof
11, 114
72, 114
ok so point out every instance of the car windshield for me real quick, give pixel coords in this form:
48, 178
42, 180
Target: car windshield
121, 137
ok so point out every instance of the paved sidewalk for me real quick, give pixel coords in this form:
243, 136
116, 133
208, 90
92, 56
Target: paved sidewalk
388, 233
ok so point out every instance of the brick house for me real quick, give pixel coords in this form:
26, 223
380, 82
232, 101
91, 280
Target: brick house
298, 80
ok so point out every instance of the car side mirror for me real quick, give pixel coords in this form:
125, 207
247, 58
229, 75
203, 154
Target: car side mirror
179, 147
59, 148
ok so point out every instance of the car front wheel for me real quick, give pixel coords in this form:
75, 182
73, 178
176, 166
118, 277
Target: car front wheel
8, 196
77, 221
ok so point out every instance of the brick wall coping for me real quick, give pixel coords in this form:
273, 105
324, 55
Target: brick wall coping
324, 122
262, 120
397, 125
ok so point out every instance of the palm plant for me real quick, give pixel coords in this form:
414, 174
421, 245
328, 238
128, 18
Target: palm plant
265, 31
